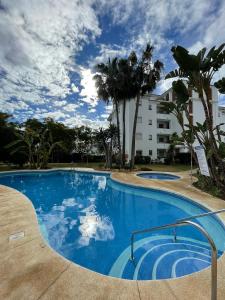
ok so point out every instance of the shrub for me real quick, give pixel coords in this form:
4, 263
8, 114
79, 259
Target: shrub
142, 160
206, 184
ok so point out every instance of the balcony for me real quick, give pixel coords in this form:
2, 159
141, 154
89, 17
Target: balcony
163, 139
163, 124
161, 110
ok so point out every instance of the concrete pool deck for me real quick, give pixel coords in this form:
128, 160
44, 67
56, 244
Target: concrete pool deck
30, 269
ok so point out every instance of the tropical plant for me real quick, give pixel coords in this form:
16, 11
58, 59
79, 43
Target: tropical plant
106, 141
145, 76
36, 145
83, 141
180, 109
175, 141
199, 71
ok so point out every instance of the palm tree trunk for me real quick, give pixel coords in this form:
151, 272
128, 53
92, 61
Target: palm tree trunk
124, 133
106, 155
118, 132
134, 132
110, 153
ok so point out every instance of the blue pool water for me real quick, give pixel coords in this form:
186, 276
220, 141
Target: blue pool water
159, 176
88, 218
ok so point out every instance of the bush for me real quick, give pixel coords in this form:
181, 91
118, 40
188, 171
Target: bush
183, 158
142, 160
206, 184
19, 159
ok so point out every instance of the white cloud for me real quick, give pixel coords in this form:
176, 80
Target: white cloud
164, 85
150, 20
74, 88
209, 36
109, 51
39, 40
104, 116
92, 110
70, 107
56, 115
59, 103
88, 93
108, 108
12, 106
79, 120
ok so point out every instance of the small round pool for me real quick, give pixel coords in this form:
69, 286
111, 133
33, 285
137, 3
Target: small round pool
159, 176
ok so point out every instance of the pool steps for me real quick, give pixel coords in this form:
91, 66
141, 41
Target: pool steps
152, 254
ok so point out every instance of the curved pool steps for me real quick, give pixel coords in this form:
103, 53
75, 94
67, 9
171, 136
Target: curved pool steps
159, 257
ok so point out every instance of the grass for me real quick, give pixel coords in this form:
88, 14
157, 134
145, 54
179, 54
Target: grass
100, 166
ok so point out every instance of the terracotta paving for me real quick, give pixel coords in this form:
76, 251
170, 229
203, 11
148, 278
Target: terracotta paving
30, 269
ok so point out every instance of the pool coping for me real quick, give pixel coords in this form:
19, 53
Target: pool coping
81, 283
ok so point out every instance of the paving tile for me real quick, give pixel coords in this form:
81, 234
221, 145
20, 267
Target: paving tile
82, 284
28, 270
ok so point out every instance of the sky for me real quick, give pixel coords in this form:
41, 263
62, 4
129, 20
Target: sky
48, 49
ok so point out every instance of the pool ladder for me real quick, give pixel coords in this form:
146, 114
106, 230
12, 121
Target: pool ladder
186, 222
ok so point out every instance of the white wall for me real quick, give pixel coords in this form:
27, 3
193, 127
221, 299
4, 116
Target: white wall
145, 129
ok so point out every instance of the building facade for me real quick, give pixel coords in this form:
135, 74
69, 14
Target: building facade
155, 126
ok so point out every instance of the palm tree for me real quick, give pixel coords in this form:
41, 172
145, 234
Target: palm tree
127, 89
107, 84
145, 76
199, 71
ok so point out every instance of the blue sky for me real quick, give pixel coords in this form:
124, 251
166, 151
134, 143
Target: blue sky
48, 49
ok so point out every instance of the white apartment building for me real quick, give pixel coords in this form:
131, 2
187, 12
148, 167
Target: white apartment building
154, 126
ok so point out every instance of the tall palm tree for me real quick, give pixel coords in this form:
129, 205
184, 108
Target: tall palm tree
146, 74
107, 84
127, 88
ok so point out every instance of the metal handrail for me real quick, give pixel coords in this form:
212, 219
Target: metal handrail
183, 222
173, 224
202, 215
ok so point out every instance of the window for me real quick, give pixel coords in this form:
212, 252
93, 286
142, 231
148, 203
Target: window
150, 137
139, 120
163, 124
149, 107
167, 97
150, 152
138, 136
165, 139
149, 122
161, 153
138, 152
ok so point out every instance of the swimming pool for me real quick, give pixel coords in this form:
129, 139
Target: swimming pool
159, 176
88, 218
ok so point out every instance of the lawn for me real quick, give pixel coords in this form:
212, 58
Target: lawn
100, 166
